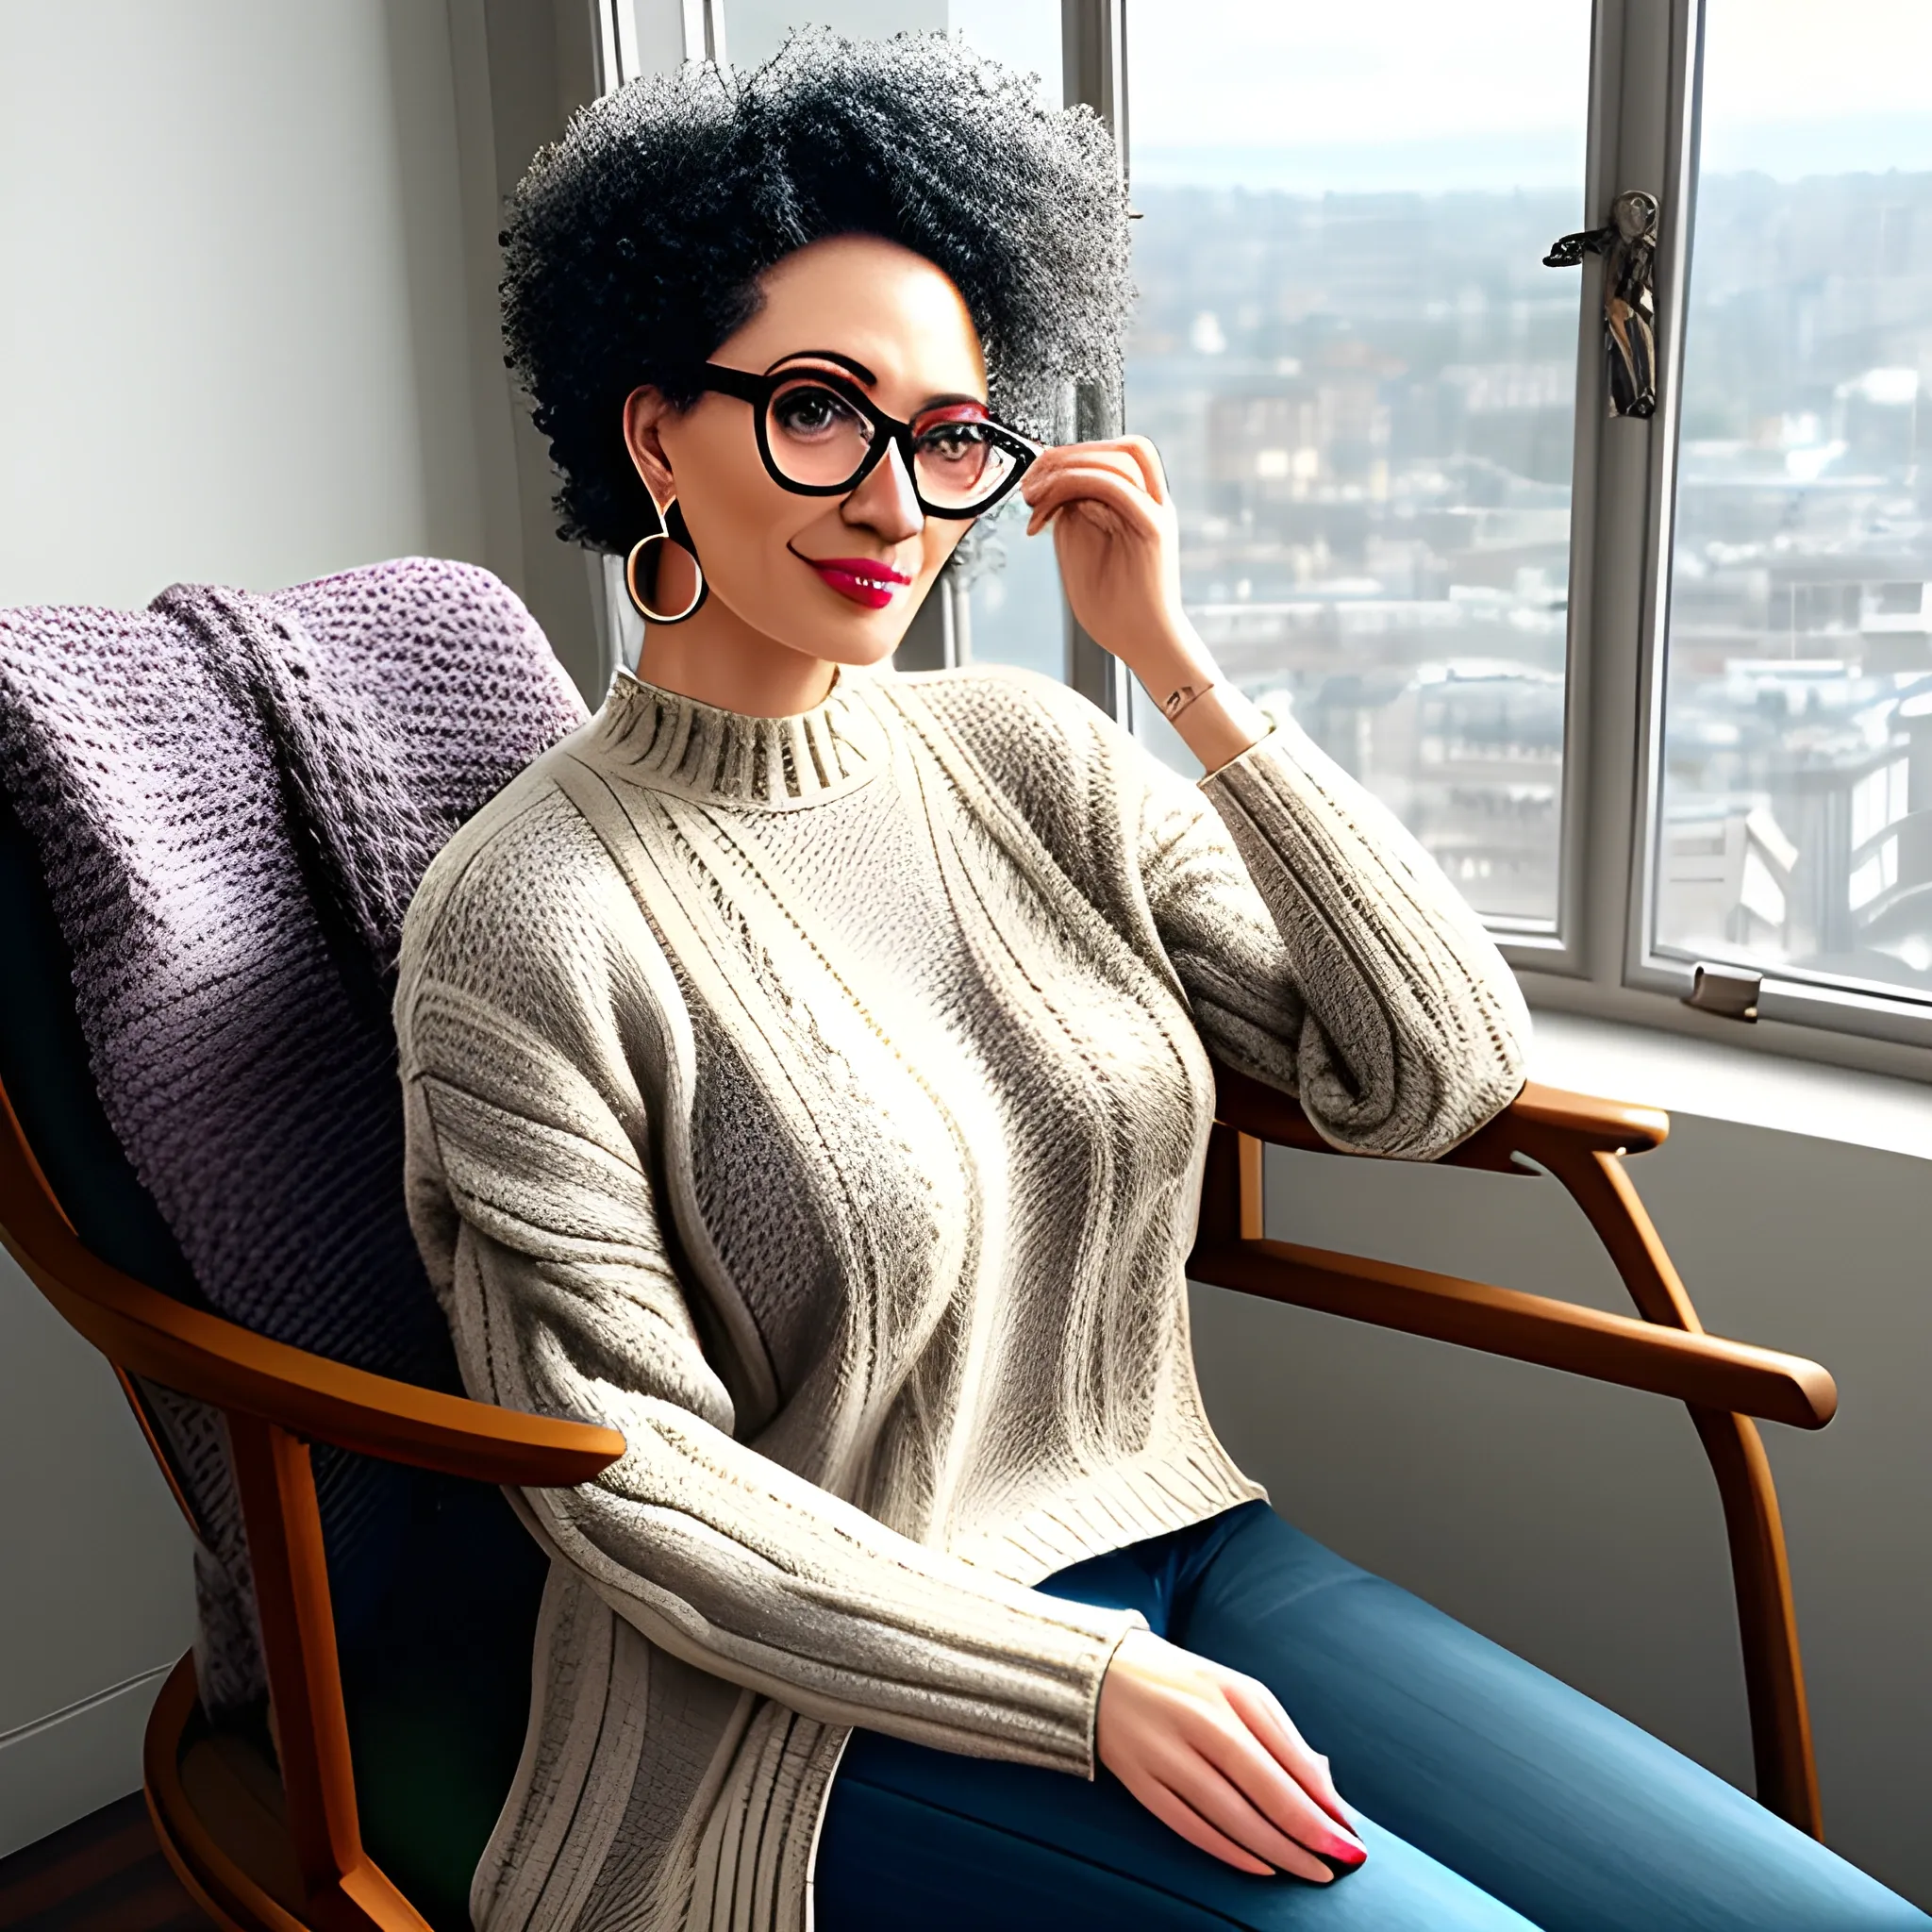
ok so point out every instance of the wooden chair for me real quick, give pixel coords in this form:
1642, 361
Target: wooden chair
281, 1850
1582, 1144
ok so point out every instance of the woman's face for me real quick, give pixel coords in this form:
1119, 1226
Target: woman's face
836, 578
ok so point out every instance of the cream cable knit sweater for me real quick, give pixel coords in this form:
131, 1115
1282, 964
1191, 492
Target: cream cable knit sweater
822, 1101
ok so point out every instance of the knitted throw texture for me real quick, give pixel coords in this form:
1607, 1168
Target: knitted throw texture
822, 1101
234, 797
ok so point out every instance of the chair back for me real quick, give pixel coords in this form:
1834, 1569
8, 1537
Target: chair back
211, 816
44, 1068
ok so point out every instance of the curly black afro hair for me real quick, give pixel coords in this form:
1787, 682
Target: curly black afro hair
635, 243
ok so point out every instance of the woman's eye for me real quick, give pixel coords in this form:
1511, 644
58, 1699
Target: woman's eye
955, 442
810, 414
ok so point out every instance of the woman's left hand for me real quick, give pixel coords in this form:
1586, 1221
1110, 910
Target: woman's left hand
1117, 542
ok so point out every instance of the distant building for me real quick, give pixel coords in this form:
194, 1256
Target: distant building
1366, 408
1724, 880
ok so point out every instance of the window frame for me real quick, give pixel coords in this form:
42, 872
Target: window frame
1641, 133
1645, 90
1793, 999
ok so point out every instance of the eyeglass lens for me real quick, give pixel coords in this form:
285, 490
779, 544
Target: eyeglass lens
818, 439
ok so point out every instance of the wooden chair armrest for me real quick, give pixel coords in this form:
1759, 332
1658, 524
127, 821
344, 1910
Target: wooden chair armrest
1701, 1369
143, 1332
1581, 1143
1576, 1139
1539, 1122
277, 1400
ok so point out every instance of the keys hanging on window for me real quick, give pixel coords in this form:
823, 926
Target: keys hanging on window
1627, 244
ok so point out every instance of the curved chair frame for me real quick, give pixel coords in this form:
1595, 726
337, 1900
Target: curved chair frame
297, 1864
1582, 1144
288, 1856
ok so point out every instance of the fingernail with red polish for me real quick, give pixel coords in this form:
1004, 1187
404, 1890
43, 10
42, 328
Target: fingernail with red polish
1348, 1856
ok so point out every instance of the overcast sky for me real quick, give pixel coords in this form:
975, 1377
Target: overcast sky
1314, 94
1373, 93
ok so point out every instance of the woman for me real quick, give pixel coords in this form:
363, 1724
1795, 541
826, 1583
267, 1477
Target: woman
808, 1074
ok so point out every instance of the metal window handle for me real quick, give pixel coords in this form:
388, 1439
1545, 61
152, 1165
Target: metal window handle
1731, 991
1627, 244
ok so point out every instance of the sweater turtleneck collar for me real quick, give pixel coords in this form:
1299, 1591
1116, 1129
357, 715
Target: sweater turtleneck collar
671, 742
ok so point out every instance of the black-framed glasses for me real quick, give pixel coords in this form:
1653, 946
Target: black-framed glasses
821, 435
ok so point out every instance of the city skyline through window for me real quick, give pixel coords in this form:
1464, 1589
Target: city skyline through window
1363, 381
1366, 388
1796, 823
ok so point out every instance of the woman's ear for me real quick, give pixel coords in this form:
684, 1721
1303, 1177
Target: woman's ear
643, 409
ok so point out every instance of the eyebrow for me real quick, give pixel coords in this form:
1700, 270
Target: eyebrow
872, 381
859, 369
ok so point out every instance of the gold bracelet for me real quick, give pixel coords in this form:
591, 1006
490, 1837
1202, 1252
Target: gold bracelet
1178, 701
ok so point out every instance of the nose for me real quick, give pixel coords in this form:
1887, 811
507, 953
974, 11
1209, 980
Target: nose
883, 503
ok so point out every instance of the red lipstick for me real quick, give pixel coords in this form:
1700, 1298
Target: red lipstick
864, 579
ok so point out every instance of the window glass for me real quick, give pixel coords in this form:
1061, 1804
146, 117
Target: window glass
755, 29
1363, 381
1796, 828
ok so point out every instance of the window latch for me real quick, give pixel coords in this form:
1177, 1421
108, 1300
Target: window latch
1627, 244
1729, 991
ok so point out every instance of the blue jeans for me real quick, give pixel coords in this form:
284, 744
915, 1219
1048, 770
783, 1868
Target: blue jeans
1495, 1798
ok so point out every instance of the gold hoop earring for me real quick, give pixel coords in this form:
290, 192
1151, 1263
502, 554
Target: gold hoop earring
663, 534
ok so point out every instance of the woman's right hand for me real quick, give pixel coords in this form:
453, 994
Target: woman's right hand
1213, 1755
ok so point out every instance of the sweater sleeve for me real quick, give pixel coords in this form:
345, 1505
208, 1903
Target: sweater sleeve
532, 1030
1324, 952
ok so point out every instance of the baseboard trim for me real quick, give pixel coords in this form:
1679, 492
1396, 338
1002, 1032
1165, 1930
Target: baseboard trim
74, 1761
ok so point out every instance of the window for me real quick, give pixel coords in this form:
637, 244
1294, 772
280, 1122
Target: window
1363, 382
1794, 830
1654, 691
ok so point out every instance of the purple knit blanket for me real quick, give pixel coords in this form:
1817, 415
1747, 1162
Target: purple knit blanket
235, 796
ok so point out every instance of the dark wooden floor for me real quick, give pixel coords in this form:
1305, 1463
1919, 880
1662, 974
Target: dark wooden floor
105, 1873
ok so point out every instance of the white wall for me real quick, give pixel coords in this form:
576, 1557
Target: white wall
97, 1598
1579, 1525
235, 334
237, 344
